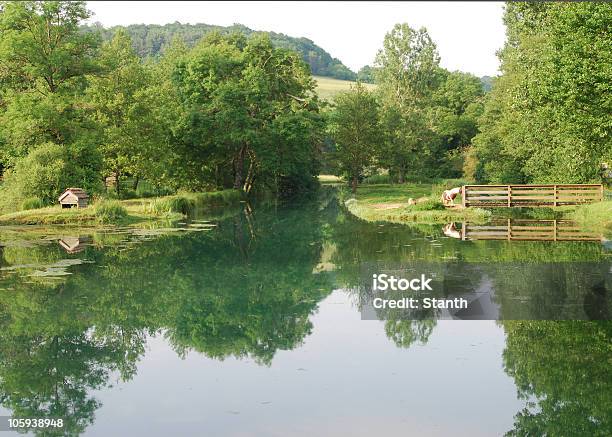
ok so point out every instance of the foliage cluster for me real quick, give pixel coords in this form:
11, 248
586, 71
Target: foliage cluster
547, 118
416, 124
76, 111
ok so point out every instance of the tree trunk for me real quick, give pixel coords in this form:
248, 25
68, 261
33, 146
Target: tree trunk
400, 175
354, 184
248, 182
136, 180
117, 174
239, 169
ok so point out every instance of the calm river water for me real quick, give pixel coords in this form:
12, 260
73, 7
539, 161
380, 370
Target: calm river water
248, 324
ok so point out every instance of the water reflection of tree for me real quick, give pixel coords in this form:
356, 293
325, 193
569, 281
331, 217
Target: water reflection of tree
405, 333
220, 293
563, 370
552, 291
50, 376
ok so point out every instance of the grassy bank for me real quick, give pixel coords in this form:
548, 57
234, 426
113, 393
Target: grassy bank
384, 202
124, 211
327, 87
593, 215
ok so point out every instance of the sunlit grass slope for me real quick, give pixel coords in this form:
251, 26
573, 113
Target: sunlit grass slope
327, 87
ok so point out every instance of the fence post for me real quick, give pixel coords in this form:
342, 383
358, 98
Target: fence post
556, 196
463, 203
509, 230
601, 193
509, 196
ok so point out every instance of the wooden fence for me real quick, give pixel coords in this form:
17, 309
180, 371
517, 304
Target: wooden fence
506, 196
543, 230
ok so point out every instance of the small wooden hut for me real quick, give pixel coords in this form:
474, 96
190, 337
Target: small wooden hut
74, 198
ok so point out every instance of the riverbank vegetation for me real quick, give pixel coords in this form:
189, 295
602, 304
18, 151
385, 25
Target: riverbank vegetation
217, 109
545, 119
105, 211
231, 112
390, 203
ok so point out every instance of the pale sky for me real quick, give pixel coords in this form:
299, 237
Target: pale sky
467, 33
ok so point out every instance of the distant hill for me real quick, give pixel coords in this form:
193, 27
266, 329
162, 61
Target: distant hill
151, 39
487, 83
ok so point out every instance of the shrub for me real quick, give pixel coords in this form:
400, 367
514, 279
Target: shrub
109, 211
378, 179
168, 205
127, 193
32, 203
146, 189
186, 203
429, 204
180, 204
46, 172
214, 198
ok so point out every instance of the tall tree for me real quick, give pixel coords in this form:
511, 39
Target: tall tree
45, 62
407, 72
133, 137
237, 92
355, 129
456, 106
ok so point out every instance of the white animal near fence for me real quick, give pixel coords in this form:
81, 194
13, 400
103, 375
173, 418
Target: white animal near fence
448, 196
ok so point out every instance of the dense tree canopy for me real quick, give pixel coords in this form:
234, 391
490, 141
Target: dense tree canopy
547, 118
232, 111
252, 115
45, 63
238, 108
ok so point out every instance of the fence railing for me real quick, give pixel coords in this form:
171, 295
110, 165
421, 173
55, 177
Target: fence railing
530, 195
543, 230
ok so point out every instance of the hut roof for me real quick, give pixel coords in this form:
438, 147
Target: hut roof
78, 192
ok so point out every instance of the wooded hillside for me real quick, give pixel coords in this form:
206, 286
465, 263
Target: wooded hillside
152, 39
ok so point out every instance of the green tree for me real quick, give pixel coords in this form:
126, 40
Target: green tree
133, 136
45, 61
238, 96
407, 73
366, 74
549, 116
456, 106
355, 128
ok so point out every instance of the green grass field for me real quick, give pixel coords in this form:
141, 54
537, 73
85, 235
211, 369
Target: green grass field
327, 87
